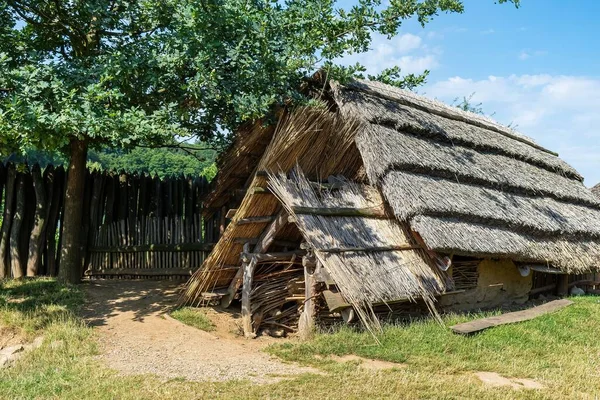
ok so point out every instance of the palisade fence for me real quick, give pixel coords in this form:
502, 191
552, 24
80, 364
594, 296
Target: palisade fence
133, 225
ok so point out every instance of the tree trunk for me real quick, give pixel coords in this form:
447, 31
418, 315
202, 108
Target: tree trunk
15, 230
9, 197
70, 252
37, 233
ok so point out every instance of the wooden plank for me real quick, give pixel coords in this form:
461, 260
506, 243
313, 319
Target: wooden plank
335, 301
142, 271
510, 318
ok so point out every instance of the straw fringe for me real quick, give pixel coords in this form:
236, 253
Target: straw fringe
414, 194
363, 278
453, 236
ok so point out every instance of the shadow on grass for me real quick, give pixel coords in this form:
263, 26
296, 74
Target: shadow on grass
33, 304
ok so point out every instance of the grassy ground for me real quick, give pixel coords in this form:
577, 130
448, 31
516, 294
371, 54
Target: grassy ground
559, 350
194, 317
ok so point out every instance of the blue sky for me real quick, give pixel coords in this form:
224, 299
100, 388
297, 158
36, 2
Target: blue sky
537, 67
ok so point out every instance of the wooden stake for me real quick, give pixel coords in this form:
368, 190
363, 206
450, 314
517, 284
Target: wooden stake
248, 269
306, 324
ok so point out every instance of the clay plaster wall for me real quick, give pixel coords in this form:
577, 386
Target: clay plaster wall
499, 283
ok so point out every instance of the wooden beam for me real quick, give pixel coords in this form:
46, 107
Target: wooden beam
256, 220
248, 273
165, 247
141, 271
231, 213
368, 212
267, 257
235, 283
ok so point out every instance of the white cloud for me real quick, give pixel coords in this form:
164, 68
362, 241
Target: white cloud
488, 32
558, 111
406, 51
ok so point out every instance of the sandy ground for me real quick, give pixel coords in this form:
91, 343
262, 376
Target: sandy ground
136, 337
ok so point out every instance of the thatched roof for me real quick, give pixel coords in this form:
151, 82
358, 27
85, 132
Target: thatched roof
463, 184
363, 277
596, 190
468, 185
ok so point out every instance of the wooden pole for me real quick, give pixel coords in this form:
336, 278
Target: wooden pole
306, 324
248, 269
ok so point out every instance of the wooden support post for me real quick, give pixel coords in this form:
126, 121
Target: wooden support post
306, 324
263, 243
248, 271
562, 285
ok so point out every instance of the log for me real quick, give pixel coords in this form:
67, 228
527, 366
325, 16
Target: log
253, 241
248, 271
34, 258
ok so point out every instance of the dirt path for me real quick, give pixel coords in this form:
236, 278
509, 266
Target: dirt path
137, 338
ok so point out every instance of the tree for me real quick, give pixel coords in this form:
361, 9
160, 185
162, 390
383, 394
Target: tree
117, 73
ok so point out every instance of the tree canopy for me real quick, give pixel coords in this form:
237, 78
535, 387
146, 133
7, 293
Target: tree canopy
121, 73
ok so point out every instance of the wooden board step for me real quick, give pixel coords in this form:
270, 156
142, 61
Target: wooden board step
510, 318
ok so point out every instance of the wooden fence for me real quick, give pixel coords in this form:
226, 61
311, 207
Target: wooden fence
133, 225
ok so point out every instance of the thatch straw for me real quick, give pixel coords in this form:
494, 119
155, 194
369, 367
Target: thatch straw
596, 190
319, 141
410, 99
379, 111
452, 236
384, 149
414, 194
363, 277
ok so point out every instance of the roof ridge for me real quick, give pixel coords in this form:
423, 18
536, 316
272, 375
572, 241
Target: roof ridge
410, 99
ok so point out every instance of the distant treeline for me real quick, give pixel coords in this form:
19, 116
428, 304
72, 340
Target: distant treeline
164, 162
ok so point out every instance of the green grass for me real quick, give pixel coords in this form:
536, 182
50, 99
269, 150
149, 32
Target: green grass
560, 350
194, 317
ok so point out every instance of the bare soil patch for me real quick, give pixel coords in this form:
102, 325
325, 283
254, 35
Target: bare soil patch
137, 337
496, 380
